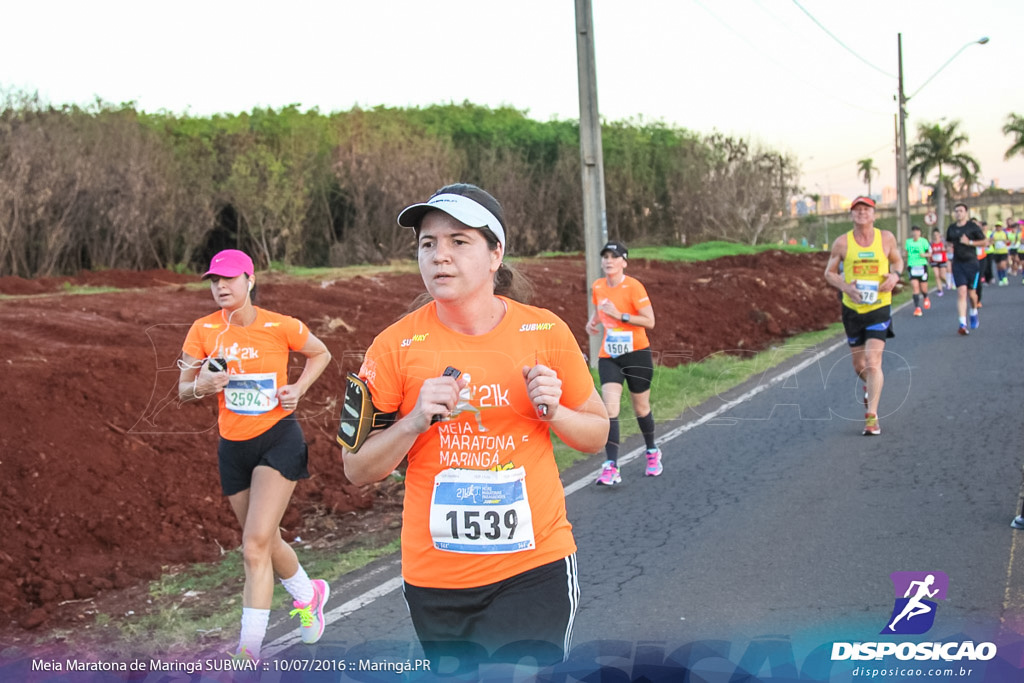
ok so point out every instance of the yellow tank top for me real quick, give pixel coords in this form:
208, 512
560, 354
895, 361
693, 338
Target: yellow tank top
867, 267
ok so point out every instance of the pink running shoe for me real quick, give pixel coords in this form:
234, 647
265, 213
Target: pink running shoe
609, 475
654, 467
311, 614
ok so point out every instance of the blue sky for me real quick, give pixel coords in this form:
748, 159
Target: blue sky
760, 69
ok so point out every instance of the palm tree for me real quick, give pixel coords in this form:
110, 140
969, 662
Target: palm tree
866, 168
1015, 126
816, 198
937, 146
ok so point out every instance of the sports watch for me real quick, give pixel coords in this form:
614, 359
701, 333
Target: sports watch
625, 317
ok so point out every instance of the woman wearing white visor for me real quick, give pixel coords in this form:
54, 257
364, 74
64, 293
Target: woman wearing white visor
488, 555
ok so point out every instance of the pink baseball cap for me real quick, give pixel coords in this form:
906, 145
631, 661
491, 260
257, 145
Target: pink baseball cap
230, 263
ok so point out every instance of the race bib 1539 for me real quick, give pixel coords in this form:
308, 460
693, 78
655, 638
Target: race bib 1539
480, 511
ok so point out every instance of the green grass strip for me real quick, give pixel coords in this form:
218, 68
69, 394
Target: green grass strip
673, 390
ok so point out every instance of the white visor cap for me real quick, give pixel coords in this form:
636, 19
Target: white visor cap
463, 209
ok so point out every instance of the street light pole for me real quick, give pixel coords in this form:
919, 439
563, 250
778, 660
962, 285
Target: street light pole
902, 175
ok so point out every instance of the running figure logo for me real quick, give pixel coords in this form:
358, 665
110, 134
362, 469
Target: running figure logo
914, 610
467, 394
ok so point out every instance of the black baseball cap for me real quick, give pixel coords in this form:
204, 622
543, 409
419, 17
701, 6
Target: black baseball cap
617, 248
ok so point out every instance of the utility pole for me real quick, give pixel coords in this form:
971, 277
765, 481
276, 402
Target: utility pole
595, 218
899, 176
902, 181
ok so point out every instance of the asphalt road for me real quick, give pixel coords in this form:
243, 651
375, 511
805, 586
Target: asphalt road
775, 527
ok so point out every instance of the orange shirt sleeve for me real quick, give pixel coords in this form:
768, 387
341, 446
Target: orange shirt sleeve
194, 343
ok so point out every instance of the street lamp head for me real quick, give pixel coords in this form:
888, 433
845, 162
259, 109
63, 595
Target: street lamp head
901, 163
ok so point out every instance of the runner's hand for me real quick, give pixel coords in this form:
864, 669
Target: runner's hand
209, 382
544, 388
853, 293
288, 396
889, 283
438, 396
608, 308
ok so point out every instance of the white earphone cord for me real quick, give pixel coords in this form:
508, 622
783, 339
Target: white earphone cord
182, 365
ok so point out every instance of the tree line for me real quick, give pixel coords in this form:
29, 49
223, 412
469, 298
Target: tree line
107, 186
940, 146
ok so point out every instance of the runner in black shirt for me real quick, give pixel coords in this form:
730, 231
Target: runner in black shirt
966, 237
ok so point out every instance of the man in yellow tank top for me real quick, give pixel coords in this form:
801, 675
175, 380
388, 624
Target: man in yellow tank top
872, 265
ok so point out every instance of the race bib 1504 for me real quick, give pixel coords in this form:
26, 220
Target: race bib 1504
618, 342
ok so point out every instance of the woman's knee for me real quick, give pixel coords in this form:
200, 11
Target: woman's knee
642, 404
258, 548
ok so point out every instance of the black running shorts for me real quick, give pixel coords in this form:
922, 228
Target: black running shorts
282, 447
921, 269
966, 273
860, 327
524, 618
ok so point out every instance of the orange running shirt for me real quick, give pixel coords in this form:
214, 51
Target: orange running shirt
257, 358
629, 296
461, 523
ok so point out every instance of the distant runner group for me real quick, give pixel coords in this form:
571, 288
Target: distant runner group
865, 266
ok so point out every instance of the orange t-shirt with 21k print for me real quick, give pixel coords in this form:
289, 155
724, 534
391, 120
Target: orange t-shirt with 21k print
483, 498
257, 356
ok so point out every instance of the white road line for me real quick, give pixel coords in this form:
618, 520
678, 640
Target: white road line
589, 479
286, 641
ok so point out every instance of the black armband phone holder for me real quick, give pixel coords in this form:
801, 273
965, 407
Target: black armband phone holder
359, 416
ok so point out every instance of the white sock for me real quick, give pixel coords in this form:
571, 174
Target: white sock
974, 311
299, 586
254, 629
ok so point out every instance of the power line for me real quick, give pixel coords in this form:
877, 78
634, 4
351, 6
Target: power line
851, 161
841, 43
778, 21
791, 72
